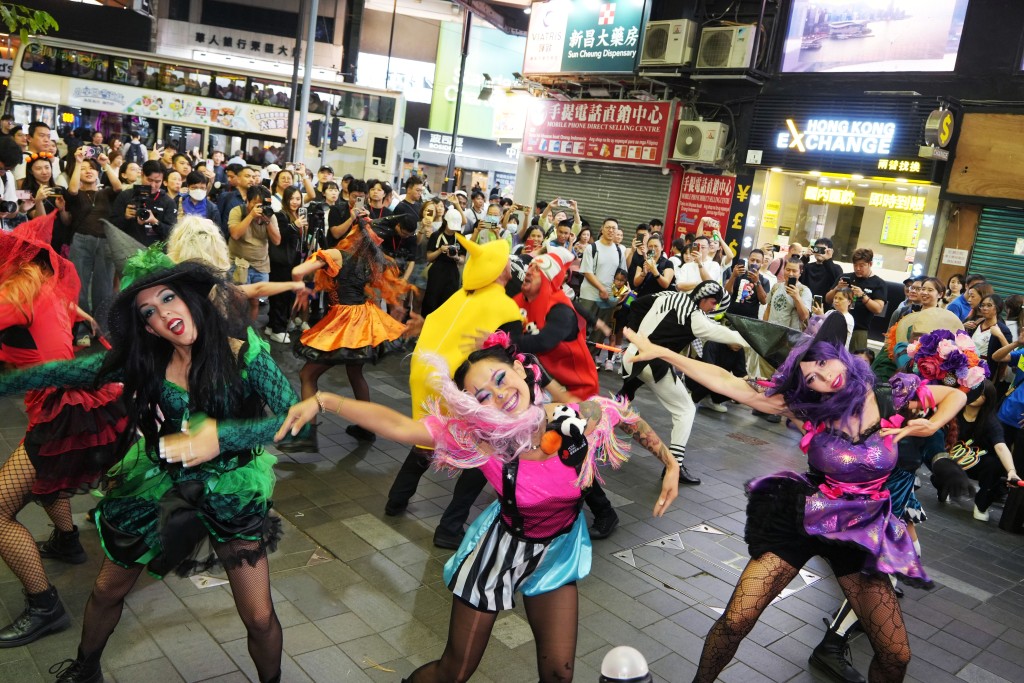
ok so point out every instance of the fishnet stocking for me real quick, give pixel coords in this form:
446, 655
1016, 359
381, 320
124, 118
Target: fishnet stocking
103, 610
17, 547
59, 512
762, 580
875, 604
251, 587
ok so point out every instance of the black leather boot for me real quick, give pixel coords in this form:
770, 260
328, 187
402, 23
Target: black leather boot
44, 614
63, 546
301, 444
833, 656
81, 670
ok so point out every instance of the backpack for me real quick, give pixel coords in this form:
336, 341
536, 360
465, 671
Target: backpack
593, 253
134, 154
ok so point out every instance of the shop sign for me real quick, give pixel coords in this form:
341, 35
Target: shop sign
476, 148
838, 135
738, 210
830, 195
6, 66
770, 218
621, 131
900, 202
955, 257
899, 165
707, 195
938, 129
584, 36
210, 37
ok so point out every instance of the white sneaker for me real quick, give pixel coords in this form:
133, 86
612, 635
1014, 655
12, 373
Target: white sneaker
279, 337
706, 402
979, 515
609, 365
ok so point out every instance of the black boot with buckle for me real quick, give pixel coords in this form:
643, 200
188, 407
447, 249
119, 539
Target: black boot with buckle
832, 655
63, 546
44, 614
81, 670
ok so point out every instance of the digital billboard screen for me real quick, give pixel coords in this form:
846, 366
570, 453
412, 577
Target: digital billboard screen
873, 35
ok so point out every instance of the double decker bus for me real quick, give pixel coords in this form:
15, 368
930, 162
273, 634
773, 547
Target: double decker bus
197, 105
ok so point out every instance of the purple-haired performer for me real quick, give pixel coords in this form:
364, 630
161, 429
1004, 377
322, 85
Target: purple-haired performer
839, 509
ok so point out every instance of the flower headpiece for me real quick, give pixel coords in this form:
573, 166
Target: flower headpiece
501, 338
943, 357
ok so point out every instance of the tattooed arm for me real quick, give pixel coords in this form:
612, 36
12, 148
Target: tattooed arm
646, 437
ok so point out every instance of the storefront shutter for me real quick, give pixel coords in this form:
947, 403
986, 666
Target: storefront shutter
998, 232
631, 194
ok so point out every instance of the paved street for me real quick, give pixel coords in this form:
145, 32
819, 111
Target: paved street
361, 598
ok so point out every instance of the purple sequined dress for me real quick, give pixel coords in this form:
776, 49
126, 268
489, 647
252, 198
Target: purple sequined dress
842, 500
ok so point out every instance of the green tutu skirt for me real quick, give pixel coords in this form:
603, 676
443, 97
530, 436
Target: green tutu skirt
166, 517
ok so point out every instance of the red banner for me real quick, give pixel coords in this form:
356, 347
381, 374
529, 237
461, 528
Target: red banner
621, 131
704, 196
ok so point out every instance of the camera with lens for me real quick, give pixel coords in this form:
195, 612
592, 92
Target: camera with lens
453, 251
267, 208
819, 249
142, 202
8, 207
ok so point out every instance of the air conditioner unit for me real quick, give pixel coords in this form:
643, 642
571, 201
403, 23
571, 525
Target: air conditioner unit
700, 141
726, 47
668, 43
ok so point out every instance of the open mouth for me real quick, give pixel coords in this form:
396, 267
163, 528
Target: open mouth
177, 326
511, 403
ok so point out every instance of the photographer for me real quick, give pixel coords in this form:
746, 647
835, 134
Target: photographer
655, 272
445, 255
746, 285
89, 204
821, 272
253, 228
868, 295
340, 217
145, 211
637, 252
700, 268
488, 228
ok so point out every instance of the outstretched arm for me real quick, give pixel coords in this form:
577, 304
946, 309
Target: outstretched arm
380, 419
723, 381
644, 435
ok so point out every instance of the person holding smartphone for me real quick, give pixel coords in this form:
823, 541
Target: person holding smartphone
655, 272
700, 268
789, 302
868, 295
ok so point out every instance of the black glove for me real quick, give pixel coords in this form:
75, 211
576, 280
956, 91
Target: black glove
949, 480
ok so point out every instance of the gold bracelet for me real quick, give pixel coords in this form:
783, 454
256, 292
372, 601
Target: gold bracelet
320, 402
341, 402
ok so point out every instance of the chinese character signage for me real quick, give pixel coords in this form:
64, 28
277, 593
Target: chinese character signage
584, 36
217, 38
703, 195
620, 131
830, 195
478, 148
900, 202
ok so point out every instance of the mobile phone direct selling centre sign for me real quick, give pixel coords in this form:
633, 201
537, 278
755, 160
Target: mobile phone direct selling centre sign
584, 36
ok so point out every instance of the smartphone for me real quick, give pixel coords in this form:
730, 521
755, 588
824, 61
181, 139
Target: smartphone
819, 300
741, 262
301, 212
360, 202
564, 203
776, 248
209, 164
791, 282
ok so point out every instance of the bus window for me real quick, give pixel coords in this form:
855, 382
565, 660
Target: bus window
40, 58
129, 72
372, 107
270, 93
387, 110
87, 65
228, 87
320, 101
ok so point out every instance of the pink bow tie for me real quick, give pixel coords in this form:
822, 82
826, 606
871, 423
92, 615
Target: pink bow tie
811, 431
894, 422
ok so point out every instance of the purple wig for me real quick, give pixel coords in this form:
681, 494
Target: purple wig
839, 407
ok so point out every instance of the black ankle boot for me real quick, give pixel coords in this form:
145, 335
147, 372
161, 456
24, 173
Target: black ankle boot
300, 444
275, 679
63, 546
81, 670
833, 655
44, 614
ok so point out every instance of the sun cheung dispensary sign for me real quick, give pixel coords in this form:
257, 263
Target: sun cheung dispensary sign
584, 36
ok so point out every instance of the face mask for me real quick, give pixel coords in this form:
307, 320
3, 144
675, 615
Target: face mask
491, 219
435, 225
197, 195
513, 226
